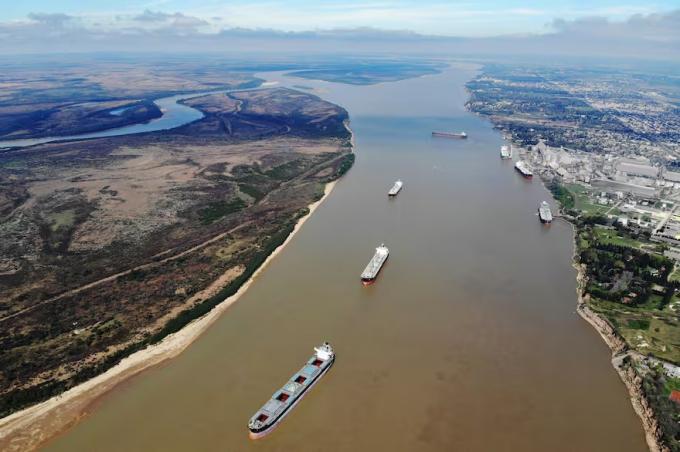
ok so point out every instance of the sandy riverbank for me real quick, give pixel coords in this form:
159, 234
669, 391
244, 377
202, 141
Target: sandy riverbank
29, 428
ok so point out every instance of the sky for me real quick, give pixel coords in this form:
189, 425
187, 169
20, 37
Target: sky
432, 17
622, 27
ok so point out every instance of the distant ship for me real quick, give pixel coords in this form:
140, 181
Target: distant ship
461, 135
544, 212
283, 400
373, 268
523, 169
506, 152
396, 188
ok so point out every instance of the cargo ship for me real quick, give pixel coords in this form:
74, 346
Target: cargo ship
506, 152
373, 268
396, 188
524, 169
283, 400
461, 135
544, 213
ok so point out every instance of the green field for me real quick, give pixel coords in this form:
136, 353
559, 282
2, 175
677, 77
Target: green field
644, 327
675, 276
649, 325
582, 200
613, 237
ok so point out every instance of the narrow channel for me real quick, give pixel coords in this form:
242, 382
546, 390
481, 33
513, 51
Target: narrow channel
175, 114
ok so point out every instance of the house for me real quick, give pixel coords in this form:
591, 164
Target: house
658, 289
675, 396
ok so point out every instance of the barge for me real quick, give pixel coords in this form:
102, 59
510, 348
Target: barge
373, 268
396, 188
461, 135
544, 213
524, 169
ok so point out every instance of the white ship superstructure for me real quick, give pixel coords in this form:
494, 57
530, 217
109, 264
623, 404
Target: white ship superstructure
506, 152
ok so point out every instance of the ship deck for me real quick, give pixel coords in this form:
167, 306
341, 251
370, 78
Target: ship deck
374, 266
286, 396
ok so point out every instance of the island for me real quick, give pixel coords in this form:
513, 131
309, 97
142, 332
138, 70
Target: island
110, 245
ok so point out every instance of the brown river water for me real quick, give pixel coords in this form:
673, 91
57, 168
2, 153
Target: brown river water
468, 341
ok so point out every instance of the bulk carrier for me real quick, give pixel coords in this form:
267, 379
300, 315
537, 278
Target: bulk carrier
396, 188
544, 212
373, 268
283, 400
524, 169
506, 152
461, 135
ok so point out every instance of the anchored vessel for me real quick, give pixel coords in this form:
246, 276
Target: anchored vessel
373, 268
396, 188
462, 135
544, 213
506, 152
523, 169
283, 400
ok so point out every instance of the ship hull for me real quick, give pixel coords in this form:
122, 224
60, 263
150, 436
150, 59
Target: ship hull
524, 175
449, 135
270, 428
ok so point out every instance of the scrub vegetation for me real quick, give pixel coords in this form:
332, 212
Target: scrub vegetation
111, 244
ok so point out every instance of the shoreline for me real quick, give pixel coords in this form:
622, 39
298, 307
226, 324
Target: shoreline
619, 352
32, 427
617, 345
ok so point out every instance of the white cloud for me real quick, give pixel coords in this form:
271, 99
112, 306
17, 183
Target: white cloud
654, 35
438, 19
153, 16
52, 20
637, 28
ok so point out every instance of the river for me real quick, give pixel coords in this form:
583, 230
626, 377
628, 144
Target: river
175, 114
468, 341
